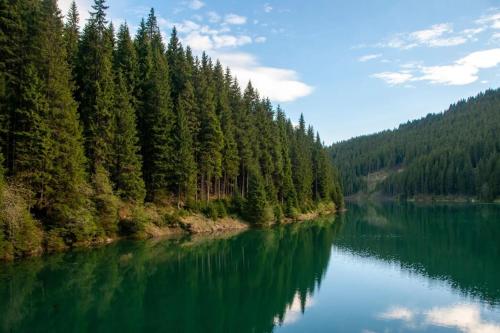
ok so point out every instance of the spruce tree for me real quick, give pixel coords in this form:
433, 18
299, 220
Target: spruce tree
257, 209
177, 65
211, 137
230, 161
157, 114
71, 36
96, 86
125, 61
185, 166
126, 169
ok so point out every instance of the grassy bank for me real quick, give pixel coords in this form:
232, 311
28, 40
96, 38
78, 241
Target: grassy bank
28, 238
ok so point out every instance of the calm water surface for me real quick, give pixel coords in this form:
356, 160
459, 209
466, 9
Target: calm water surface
386, 268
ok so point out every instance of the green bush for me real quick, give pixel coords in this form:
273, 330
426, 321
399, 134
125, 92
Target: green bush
21, 233
215, 209
54, 240
135, 224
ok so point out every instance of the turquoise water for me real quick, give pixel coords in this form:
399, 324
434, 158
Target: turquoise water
385, 268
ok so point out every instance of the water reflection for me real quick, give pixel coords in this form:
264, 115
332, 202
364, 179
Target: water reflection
461, 317
248, 283
385, 268
456, 244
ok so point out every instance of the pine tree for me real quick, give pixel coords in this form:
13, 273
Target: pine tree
96, 86
126, 169
157, 114
230, 161
71, 36
177, 65
286, 190
185, 166
125, 61
257, 208
211, 137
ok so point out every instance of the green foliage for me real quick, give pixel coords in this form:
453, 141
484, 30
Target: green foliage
96, 86
107, 204
20, 233
257, 209
126, 161
215, 209
91, 127
452, 153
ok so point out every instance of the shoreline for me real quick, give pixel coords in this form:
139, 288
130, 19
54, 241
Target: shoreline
195, 224
361, 197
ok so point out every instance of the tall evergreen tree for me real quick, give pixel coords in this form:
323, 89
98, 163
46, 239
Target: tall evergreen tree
96, 86
125, 61
72, 35
185, 166
211, 137
126, 169
157, 113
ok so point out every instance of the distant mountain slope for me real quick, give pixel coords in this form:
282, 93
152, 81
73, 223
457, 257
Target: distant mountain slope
456, 152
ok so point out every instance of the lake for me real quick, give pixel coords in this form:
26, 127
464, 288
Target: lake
377, 268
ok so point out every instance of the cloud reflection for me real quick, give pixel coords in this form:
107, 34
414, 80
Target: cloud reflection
462, 317
294, 311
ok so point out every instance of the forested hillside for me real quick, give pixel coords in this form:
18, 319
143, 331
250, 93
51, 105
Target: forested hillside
95, 123
452, 153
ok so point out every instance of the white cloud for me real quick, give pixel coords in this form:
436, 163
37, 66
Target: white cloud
260, 39
491, 20
438, 35
280, 85
84, 7
394, 78
268, 8
466, 318
235, 19
369, 57
397, 313
461, 72
198, 42
221, 41
196, 4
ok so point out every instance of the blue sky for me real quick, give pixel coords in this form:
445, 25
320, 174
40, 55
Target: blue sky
352, 67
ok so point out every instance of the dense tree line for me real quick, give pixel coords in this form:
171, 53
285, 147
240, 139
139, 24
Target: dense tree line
452, 153
92, 119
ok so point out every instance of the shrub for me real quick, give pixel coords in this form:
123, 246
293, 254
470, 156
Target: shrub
135, 224
21, 233
215, 209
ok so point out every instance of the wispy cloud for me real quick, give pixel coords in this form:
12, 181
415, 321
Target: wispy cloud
196, 4
465, 318
397, 313
461, 72
235, 19
490, 20
393, 78
268, 8
438, 35
369, 57
279, 84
